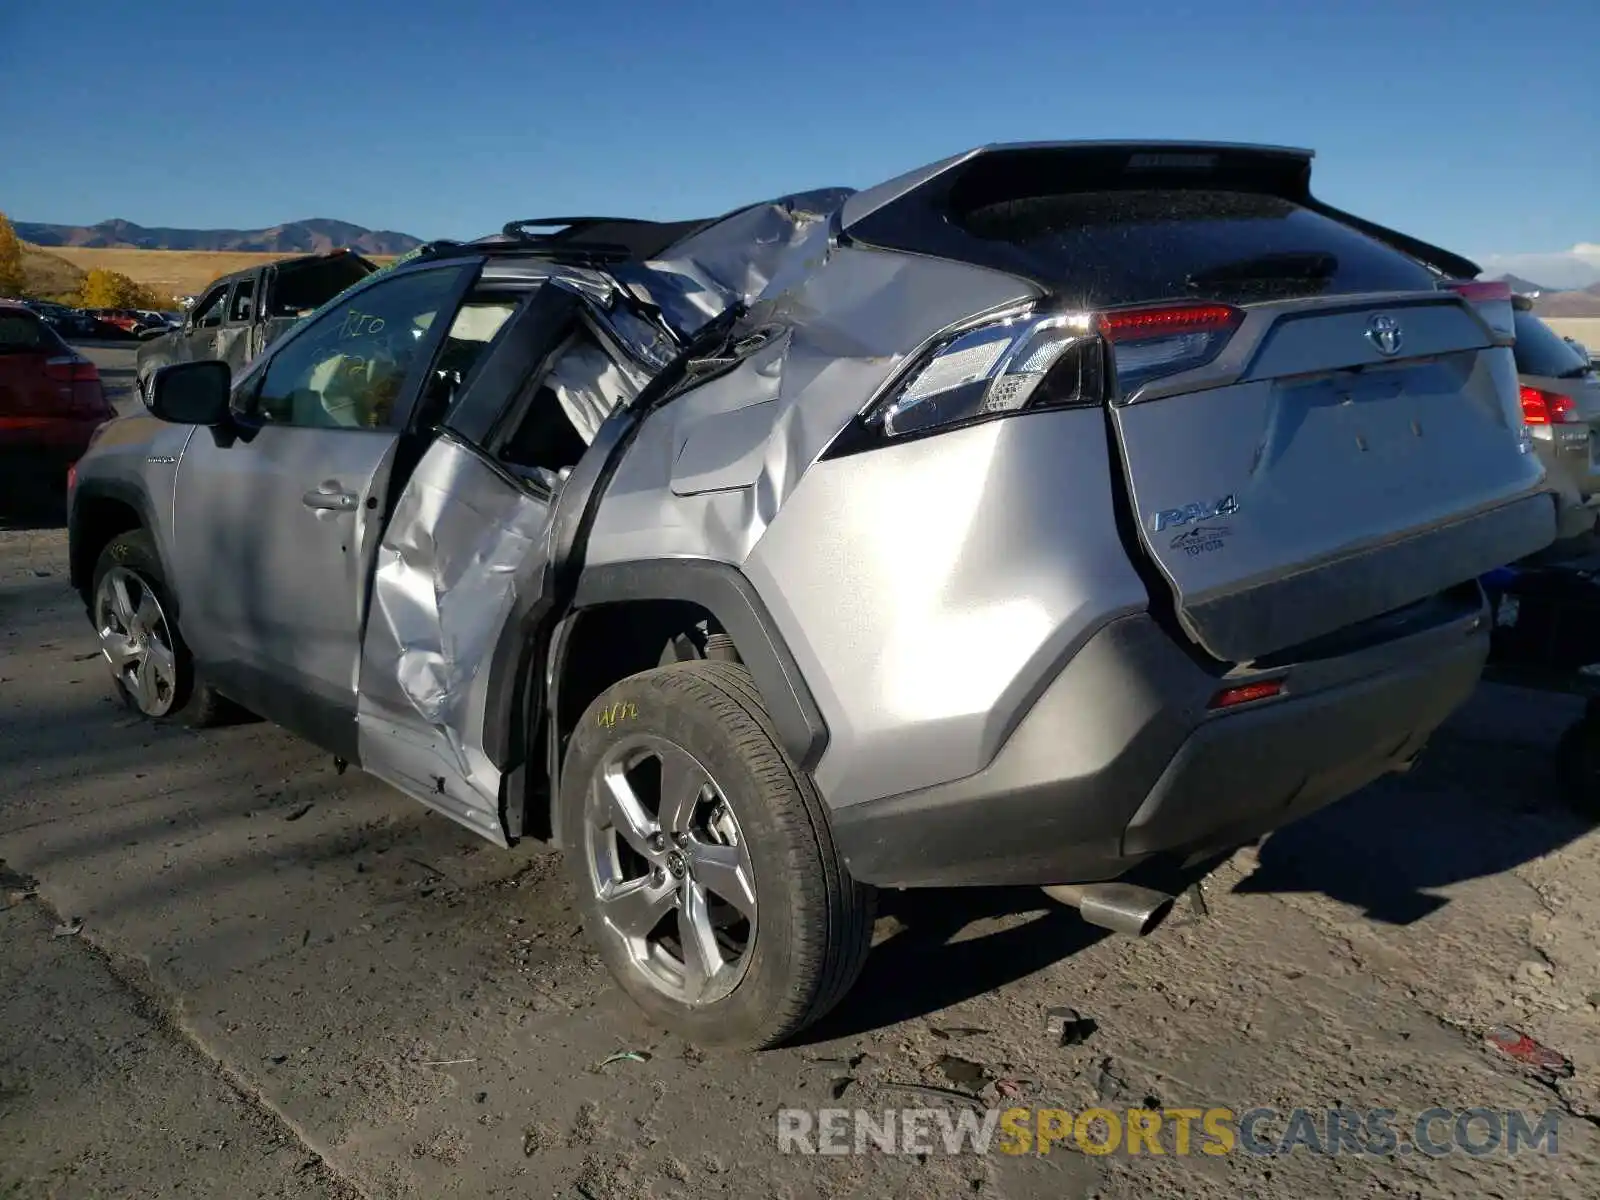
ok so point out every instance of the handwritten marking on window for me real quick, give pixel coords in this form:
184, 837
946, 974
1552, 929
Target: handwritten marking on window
359, 324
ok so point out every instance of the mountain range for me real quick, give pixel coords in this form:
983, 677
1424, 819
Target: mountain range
294, 237
1559, 302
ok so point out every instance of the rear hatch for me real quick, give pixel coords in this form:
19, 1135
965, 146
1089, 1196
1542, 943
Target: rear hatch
1308, 478
1314, 428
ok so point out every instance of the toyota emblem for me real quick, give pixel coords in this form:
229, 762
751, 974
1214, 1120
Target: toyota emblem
1383, 331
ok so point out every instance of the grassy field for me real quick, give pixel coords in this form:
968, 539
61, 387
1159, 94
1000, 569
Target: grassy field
48, 275
167, 272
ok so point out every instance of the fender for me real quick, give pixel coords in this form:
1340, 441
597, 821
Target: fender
725, 593
81, 567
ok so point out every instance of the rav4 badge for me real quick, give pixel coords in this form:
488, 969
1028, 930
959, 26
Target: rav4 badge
1169, 517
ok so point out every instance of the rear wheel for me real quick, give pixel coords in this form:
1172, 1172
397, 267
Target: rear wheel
1578, 765
703, 862
152, 671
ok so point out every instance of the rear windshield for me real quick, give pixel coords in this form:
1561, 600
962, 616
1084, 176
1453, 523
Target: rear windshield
1123, 247
1540, 350
22, 332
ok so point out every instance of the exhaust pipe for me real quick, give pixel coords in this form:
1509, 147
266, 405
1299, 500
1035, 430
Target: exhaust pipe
1123, 907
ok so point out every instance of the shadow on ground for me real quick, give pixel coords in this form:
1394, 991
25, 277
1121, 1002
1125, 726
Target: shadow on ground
34, 505
921, 969
1476, 805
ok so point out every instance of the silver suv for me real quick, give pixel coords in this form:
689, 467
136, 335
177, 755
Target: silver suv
1058, 515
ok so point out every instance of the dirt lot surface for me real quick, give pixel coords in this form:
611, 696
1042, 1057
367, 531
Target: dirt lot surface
228, 971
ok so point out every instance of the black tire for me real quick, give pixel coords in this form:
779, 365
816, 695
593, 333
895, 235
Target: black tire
814, 923
1578, 766
195, 703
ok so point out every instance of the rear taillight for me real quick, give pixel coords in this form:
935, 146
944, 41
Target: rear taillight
1246, 693
80, 380
1024, 361
1481, 289
70, 368
1547, 408
1492, 299
1147, 343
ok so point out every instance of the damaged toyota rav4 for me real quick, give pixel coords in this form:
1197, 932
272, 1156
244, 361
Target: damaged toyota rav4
1062, 515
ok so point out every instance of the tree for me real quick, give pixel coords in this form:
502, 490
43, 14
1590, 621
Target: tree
112, 289
12, 280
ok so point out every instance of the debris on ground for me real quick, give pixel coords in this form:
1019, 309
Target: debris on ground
1109, 1083
298, 813
1068, 1026
71, 929
955, 1032
638, 1056
962, 1071
1515, 1044
840, 1086
938, 1093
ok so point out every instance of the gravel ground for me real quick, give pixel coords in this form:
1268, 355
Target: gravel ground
274, 980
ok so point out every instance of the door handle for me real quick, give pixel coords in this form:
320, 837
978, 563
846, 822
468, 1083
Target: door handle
335, 499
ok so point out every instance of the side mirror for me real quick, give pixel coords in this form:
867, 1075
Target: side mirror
192, 393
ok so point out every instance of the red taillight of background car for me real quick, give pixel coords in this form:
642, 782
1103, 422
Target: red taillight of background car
80, 384
1540, 407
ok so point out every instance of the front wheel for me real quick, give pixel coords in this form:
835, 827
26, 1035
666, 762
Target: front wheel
703, 862
152, 672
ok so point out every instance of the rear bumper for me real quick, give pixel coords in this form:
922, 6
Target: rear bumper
1119, 761
58, 438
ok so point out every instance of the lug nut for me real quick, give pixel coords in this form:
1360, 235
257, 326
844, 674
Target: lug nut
657, 842
657, 875
682, 839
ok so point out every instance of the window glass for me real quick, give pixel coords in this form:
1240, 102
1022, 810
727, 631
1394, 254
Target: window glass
242, 307
476, 325
1121, 247
23, 332
1540, 350
346, 369
208, 311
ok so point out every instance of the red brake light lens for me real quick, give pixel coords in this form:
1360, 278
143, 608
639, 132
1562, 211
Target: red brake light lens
1141, 323
1481, 289
70, 368
1547, 408
1245, 693
1148, 343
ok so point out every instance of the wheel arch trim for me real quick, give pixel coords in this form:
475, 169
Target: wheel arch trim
80, 564
730, 597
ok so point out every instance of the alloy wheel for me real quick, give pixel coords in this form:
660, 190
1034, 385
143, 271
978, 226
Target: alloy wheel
670, 869
136, 640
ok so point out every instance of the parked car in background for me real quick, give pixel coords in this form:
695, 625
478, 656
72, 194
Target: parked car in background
1063, 515
240, 314
51, 401
67, 321
1560, 393
154, 323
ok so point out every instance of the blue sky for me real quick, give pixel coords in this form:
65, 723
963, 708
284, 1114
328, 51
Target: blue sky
1476, 125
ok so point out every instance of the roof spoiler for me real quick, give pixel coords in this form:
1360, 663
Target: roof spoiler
912, 211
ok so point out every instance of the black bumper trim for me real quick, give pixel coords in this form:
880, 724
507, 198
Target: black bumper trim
1118, 761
